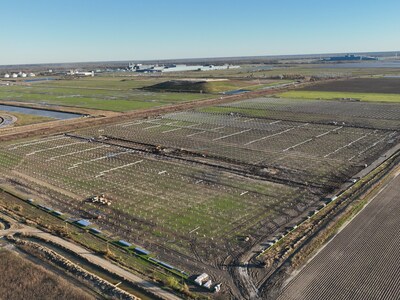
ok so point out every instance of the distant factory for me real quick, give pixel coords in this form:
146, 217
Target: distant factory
20, 74
80, 73
350, 57
176, 68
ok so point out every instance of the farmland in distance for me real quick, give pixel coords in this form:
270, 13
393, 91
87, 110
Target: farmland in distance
368, 89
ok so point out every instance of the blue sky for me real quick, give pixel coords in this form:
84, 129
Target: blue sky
44, 31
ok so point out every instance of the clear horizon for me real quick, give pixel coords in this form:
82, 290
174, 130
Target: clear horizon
198, 58
46, 31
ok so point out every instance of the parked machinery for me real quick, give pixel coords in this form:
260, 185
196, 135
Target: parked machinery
99, 199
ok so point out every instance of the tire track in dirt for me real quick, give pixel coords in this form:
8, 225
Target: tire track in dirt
362, 261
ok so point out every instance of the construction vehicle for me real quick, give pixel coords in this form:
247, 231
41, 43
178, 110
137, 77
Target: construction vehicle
99, 199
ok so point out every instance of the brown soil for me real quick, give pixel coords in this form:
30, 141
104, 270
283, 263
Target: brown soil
25, 280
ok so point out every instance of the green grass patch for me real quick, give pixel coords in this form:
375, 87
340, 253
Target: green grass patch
103, 83
95, 98
227, 208
8, 160
367, 97
265, 85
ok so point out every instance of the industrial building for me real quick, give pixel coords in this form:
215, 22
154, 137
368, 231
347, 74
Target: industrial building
177, 68
80, 73
350, 57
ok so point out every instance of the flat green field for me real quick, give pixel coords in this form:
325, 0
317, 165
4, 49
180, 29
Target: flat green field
114, 94
118, 93
367, 97
103, 82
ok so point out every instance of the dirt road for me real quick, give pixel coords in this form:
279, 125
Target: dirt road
92, 258
7, 120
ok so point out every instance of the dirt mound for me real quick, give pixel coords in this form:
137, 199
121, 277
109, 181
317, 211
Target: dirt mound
187, 86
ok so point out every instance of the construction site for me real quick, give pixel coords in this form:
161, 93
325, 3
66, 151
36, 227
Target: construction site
199, 150
201, 189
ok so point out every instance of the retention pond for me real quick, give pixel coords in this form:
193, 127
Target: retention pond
40, 112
